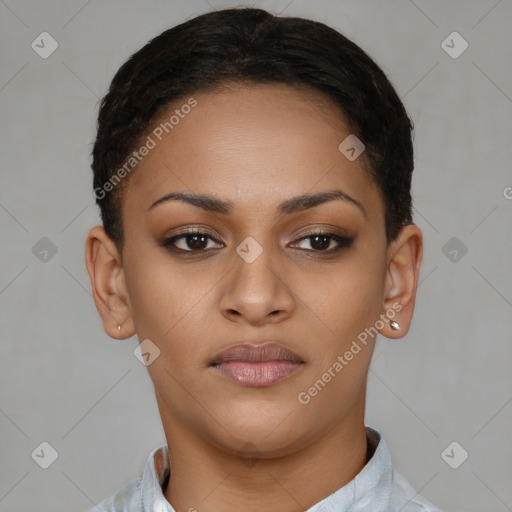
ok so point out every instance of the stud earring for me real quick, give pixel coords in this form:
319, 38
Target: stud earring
119, 334
395, 325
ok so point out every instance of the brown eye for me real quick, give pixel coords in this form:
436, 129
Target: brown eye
323, 241
189, 241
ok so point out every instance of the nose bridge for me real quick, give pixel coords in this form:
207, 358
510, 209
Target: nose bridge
253, 265
256, 289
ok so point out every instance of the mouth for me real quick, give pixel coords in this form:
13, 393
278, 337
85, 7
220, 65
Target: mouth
257, 366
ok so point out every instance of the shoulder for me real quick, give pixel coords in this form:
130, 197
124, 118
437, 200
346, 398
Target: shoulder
127, 499
404, 497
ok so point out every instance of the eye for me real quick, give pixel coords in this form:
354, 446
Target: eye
320, 241
194, 240
190, 241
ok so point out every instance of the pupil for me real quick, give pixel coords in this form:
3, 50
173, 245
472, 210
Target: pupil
322, 245
192, 241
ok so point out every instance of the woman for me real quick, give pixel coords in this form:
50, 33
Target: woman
253, 174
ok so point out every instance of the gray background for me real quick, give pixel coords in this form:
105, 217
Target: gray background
64, 381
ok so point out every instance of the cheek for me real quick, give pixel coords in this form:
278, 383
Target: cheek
358, 292
354, 306
151, 297
158, 297
169, 305
334, 394
343, 300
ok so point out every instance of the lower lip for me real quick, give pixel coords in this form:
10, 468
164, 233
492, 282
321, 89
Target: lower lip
257, 374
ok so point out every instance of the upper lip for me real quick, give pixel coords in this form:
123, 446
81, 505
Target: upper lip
257, 352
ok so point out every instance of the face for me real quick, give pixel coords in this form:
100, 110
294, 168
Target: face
264, 258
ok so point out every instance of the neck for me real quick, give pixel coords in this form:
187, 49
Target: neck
209, 479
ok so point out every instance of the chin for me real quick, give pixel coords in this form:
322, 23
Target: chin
263, 430
247, 446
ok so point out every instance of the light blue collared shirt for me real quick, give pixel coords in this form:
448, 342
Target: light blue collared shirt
376, 488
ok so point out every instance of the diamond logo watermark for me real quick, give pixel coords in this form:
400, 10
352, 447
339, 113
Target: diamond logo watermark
44, 45
454, 455
44, 250
44, 455
454, 249
146, 352
351, 147
249, 250
454, 45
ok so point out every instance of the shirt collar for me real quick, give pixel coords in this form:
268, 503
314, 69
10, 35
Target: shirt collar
370, 487
154, 481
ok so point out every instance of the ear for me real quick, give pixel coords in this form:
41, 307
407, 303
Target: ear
104, 265
404, 257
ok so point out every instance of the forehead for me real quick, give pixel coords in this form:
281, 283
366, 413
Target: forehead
255, 144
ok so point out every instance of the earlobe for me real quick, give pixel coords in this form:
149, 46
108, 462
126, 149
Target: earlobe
405, 255
109, 291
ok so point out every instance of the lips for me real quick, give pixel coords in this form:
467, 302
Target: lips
268, 351
258, 365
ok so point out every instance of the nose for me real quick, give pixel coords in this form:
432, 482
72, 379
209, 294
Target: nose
257, 292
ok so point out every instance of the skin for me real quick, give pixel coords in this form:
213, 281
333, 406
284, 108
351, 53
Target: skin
233, 447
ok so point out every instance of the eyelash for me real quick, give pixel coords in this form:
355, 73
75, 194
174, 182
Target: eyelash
343, 242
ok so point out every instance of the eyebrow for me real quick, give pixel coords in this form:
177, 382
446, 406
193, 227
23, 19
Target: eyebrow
287, 207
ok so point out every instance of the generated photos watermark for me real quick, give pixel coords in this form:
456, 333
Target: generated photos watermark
152, 141
304, 397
